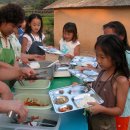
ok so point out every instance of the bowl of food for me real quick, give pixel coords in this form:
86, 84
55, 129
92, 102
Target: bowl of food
65, 108
61, 99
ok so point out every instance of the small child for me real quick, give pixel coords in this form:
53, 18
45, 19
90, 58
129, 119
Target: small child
21, 30
112, 83
69, 44
33, 32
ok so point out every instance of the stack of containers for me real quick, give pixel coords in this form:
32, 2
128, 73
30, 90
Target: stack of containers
36, 89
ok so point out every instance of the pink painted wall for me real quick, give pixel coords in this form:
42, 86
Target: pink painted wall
89, 23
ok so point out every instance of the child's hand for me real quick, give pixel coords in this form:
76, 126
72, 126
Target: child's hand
50, 47
95, 108
90, 67
81, 68
74, 83
69, 56
87, 67
39, 57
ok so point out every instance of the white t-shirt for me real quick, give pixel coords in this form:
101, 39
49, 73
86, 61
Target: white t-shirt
68, 47
36, 38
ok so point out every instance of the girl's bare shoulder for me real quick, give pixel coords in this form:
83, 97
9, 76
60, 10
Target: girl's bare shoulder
122, 80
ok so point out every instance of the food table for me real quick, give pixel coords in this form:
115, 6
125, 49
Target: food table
68, 121
71, 120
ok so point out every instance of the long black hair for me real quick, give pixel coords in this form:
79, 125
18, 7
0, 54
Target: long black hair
112, 46
71, 28
119, 30
28, 29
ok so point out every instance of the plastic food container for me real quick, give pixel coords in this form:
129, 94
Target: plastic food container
35, 102
35, 86
44, 71
62, 70
51, 115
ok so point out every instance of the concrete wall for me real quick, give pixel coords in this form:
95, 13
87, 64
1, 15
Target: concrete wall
89, 23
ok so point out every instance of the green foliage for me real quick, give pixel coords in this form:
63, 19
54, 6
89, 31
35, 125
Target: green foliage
43, 3
48, 20
48, 23
40, 4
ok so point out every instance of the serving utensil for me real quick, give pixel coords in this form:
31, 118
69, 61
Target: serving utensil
53, 63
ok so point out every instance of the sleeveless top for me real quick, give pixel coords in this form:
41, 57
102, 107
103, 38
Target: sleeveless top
105, 89
68, 47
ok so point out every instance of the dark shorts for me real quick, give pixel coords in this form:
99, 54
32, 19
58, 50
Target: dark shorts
102, 122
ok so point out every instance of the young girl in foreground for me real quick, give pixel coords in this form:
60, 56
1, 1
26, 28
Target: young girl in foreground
69, 44
117, 28
112, 83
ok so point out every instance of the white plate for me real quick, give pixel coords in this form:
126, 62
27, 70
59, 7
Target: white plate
51, 50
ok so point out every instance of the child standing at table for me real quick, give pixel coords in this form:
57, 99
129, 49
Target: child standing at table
117, 28
112, 83
33, 32
69, 44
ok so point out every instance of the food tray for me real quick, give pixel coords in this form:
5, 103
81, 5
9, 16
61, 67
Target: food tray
82, 76
91, 74
83, 61
64, 99
51, 50
62, 67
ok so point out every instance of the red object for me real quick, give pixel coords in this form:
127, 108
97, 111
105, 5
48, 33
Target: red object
122, 123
